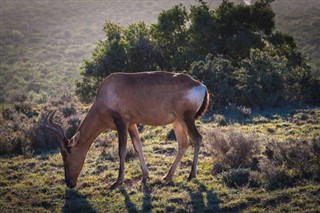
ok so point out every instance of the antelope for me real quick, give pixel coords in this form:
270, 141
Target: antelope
127, 99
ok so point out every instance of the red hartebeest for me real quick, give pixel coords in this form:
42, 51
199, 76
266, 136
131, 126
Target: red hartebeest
124, 100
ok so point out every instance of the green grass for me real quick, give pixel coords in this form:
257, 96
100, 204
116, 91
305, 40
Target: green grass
37, 184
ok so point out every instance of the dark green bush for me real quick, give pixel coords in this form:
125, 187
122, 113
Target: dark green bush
216, 74
234, 50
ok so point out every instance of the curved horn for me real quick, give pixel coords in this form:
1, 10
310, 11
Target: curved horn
53, 127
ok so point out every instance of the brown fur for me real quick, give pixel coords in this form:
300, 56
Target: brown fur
124, 100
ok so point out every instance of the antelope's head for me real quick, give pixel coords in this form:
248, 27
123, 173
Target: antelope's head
72, 157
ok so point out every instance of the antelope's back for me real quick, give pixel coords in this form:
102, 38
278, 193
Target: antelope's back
148, 95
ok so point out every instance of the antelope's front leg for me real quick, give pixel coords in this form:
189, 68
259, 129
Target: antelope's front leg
122, 128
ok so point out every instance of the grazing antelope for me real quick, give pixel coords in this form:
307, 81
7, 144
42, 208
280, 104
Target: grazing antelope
125, 100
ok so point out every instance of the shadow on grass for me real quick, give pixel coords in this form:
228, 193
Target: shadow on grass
131, 207
75, 202
202, 199
198, 200
146, 203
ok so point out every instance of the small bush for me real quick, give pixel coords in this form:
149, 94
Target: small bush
274, 176
21, 131
106, 155
73, 123
238, 112
288, 163
237, 177
244, 111
220, 119
218, 168
233, 148
17, 134
68, 110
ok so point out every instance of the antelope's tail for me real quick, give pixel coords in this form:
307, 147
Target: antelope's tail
205, 105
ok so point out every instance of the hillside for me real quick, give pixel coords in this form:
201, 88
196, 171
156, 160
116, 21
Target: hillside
43, 43
301, 19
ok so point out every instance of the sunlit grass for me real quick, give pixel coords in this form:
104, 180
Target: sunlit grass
36, 184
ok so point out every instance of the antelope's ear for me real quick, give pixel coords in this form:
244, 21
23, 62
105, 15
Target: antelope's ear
74, 140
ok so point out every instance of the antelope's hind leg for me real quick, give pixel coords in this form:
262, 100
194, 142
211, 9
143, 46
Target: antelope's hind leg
183, 145
134, 134
196, 139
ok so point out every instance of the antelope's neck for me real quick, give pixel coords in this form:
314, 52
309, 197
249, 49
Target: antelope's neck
90, 128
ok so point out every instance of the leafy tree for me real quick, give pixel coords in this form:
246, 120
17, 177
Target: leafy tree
263, 16
216, 74
233, 49
142, 52
241, 27
170, 35
259, 79
129, 50
203, 31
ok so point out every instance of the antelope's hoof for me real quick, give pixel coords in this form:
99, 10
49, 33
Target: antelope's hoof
144, 180
191, 176
115, 185
167, 178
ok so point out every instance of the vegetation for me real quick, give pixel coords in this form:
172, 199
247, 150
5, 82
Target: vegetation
21, 131
233, 49
43, 43
260, 161
254, 158
301, 20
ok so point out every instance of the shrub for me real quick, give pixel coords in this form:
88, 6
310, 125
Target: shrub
274, 176
73, 123
131, 154
17, 133
216, 74
236, 177
220, 119
282, 164
235, 113
21, 131
287, 163
233, 148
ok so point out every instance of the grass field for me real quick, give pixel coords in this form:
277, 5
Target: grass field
36, 184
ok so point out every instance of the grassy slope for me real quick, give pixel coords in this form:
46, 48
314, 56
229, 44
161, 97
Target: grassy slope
36, 184
44, 42
301, 19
